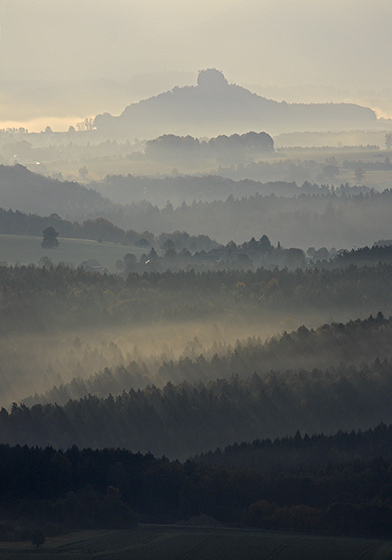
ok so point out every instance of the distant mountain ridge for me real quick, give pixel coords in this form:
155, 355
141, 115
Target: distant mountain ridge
214, 106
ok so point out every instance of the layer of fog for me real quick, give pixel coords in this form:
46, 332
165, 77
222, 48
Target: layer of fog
31, 364
34, 364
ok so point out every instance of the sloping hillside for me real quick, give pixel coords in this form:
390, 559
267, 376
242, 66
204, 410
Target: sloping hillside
20, 189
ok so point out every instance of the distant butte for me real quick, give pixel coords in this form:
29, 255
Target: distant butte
215, 107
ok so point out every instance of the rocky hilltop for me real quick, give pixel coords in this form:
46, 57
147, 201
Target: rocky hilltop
214, 106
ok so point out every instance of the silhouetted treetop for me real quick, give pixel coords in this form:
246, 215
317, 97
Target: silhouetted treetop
211, 78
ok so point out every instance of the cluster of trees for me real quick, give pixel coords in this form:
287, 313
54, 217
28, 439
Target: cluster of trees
234, 148
384, 165
381, 252
110, 488
325, 173
248, 255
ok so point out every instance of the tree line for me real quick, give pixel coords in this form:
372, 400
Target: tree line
301, 220
237, 147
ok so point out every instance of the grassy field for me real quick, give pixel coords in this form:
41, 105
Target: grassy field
163, 543
24, 249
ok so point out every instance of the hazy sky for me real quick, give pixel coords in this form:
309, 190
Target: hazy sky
279, 42
342, 44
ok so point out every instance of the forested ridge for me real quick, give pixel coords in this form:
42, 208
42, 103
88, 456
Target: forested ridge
182, 419
38, 299
342, 485
331, 345
207, 188
328, 379
298, 452
311, 215
364, 255
301, 221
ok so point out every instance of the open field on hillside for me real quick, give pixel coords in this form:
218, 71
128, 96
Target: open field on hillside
162, 543
24, 249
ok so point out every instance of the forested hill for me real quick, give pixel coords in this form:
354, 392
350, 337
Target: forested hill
319, 220
180, 420
309, 216
187, 188
304, 452
330, 345
22, 190
207, 188
216, 107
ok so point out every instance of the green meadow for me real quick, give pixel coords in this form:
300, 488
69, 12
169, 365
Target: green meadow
172, 543
22, 249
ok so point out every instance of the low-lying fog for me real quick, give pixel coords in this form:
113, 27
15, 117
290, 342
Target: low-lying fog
33, 364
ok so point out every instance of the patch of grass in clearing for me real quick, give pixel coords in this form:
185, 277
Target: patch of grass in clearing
23, 249
171, 543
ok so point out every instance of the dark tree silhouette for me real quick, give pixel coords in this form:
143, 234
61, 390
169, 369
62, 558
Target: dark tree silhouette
37, 538
49, 240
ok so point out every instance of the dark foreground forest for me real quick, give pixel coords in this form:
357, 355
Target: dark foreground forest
84, 454
339, 484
